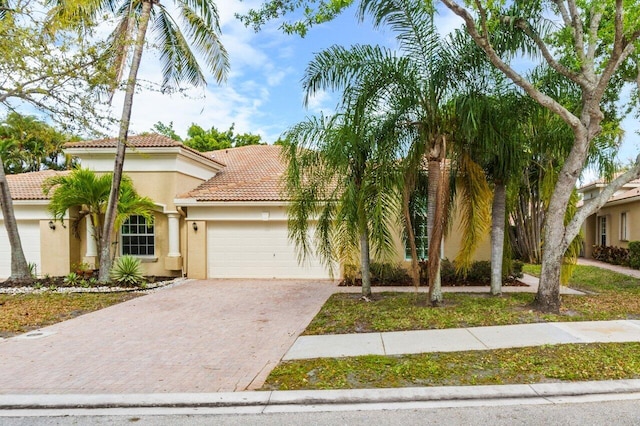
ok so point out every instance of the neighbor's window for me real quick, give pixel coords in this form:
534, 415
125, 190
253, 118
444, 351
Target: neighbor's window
623, 226
137, 237
603, 230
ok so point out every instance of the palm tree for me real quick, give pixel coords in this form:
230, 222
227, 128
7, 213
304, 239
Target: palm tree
412, 86
84, 189
489, 120
200, 19
338, 173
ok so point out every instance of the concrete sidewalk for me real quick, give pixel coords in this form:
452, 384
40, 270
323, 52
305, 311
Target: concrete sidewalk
463, 339
624, 270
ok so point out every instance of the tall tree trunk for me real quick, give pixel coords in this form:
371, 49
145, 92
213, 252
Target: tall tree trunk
114, 195
556, 240
435, 218
411, 235
19, 266
365, 263
498, 212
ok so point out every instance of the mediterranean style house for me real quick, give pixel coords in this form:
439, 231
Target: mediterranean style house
218, 215
616, 223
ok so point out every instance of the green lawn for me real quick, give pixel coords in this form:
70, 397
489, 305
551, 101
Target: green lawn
23, 312
609, 296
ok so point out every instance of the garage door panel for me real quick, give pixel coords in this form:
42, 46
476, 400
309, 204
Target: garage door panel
256, 250
29, 237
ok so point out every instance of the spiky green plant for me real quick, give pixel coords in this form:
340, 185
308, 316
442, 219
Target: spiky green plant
127, 271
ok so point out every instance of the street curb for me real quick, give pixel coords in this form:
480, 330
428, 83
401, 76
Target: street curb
318, 397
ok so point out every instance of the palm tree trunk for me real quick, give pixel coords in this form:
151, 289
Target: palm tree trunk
411, 235
365, 263
19, 266
435, 218
498, 212
112, 206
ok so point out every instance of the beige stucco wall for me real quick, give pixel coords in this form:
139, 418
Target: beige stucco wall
163, 187
55, 248
589, 232
196, 249
613, 213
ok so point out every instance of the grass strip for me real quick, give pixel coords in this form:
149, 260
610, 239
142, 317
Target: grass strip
610, 296
556, 363
23, 312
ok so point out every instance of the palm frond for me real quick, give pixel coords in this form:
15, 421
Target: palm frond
178, 62
474, 209
201, 20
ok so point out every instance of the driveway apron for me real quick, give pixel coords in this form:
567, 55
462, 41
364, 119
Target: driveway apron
201, 336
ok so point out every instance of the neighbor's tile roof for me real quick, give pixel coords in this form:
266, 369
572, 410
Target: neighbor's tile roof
151, 140
28, 186
252, 174
602, 182
627, 194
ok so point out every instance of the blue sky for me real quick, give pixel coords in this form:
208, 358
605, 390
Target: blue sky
263, 93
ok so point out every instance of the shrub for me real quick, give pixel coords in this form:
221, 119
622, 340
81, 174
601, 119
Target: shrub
33, 269
127, 271
72, 279
350, 274
389, 274
515, 272
634, 254
611, 254
448, 273
479, 273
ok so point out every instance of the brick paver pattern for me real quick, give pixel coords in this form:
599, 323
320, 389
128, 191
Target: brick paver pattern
201, 336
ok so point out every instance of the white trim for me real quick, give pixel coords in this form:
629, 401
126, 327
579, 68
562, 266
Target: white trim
92, 246
174, 234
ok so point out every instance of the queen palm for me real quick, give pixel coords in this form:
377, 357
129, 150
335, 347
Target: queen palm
338, 174
199, 18
89, 192
413, 86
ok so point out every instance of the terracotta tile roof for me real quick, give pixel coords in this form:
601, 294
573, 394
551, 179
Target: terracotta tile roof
252, 174
152, 140
602, 182
28, 186
627, 194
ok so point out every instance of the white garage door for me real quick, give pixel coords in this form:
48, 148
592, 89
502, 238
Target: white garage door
256, 250
29, 237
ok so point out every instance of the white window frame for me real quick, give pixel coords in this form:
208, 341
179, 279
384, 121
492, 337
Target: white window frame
624, 226
148, 230
602, 230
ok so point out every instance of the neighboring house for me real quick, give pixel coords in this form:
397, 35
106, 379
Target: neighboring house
617, 222
219, 215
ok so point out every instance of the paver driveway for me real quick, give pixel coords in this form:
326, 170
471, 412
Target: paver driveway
201, 336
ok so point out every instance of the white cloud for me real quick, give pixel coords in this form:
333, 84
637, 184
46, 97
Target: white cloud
318, 103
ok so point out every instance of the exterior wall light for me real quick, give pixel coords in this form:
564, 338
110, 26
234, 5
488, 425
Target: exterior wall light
52, 225
194, 226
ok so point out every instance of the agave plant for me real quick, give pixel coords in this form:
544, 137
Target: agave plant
127, 271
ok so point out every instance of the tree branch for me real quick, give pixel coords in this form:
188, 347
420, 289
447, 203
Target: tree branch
593, 205
482, 41
577, 28
561, 69
596, 18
